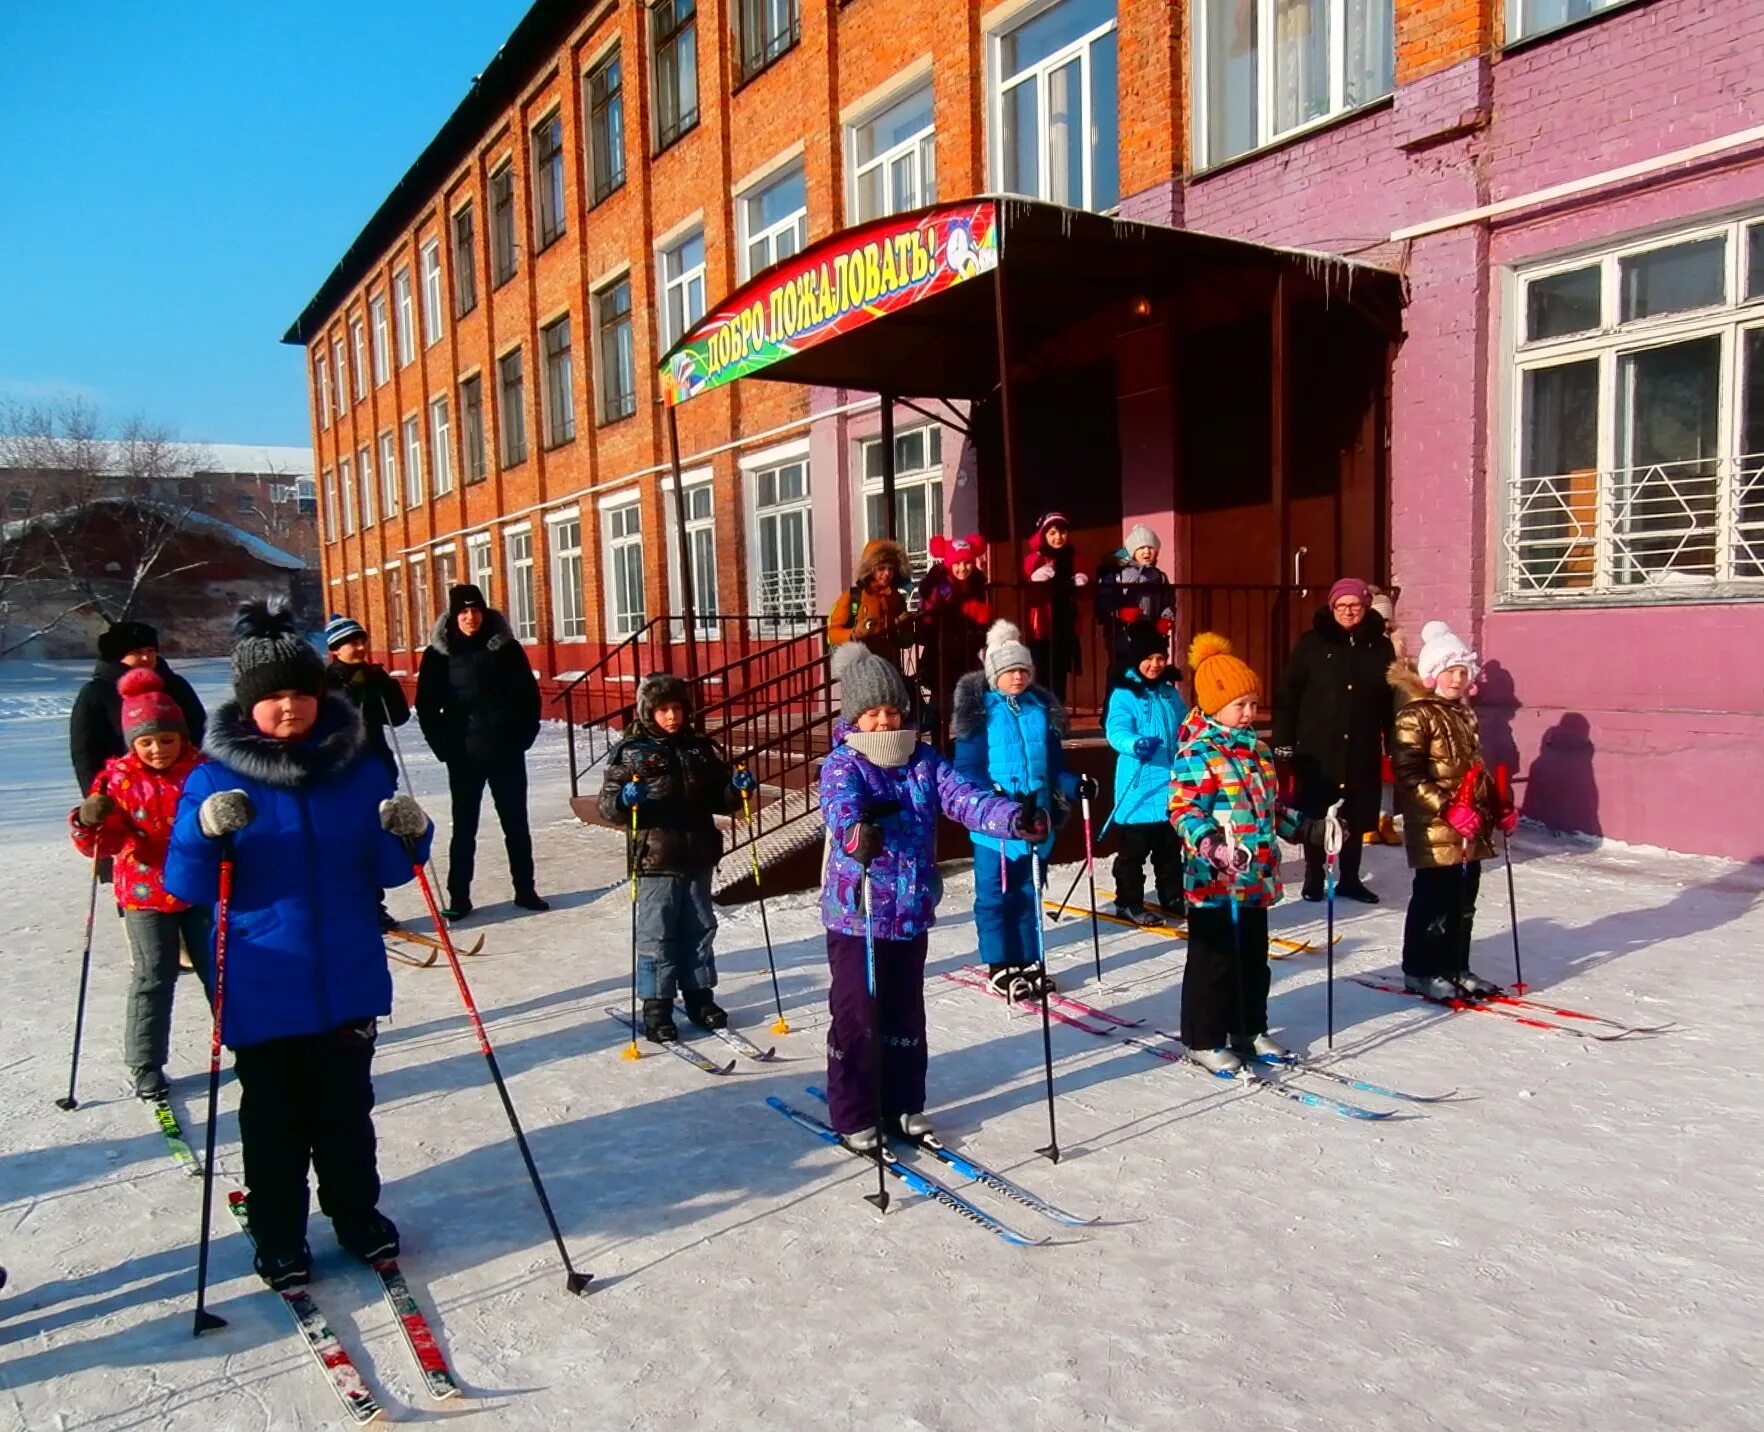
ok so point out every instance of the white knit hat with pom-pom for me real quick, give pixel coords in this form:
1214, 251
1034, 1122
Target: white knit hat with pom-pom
1005, 652
1441, 650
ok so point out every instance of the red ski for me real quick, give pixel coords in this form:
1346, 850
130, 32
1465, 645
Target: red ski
1485, 1007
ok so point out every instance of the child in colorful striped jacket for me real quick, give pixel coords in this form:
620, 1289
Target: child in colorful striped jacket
1225, 803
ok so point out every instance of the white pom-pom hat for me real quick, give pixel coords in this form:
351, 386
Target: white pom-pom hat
1441, 650
1005, 652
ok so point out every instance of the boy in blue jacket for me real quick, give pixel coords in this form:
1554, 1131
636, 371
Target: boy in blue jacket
1008, 733
316, 834
1143, 723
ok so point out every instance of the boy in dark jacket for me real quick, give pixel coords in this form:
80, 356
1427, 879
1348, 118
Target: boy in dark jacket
316, 834
671, 784
478, 704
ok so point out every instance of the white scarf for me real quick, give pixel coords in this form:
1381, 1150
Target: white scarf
884, 748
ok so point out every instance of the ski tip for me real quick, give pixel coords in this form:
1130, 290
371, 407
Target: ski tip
234, 1198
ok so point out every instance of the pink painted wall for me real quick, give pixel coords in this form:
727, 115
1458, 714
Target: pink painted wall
1640, 723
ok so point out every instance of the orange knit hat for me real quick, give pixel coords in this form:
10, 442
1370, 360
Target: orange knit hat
1219, 677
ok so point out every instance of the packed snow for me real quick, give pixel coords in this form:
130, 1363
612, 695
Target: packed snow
1569, 1244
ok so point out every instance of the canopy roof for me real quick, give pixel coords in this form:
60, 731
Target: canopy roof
907, 305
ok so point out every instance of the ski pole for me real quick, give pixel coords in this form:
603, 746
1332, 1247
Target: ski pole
880, 1196
1052, 1151
73, 1071
631, 1051
1101, 836
782, 1026
1331, 850
574, 1282
1090, 874
1236, 935
223, 909
1502, 785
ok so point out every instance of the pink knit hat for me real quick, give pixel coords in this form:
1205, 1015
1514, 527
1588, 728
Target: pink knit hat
1349, 587
147, 707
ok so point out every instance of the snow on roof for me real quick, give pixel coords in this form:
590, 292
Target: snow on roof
286, 462
189, 521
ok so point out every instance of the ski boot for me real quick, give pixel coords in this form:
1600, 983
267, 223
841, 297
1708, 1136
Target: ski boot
1221, 1061
703, 1010
1008, 980
658, 1021
1354, 890
1473, 985
1135, 915
149, 1084
370, 1238
457, 908
281, 1271
916, 1126
1264, 1048
1431, 987
861, 1142
1312, 889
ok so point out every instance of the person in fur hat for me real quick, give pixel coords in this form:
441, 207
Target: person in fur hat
316, 833
1132, 589
478, 706
128, 816
874, 610
1450, 806
882, 789
95, 726
1142, 723
670, 783
953, 612
1009, 736
1052, 563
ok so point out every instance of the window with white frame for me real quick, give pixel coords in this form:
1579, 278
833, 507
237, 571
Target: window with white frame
1056, 106
559, 395
701, 543
321, 375
364, 467
404, 316
358, 356
346, 481
764, 30
918, 489
446, 570
433, 324
774, 220
441, 443
622, 536
330, 484
1637, 461
389, 471
783, 522
1526, 18
382, 339
1267, 68
395, 638
569, 616
682, 279
523, 620
548, 181
481, 572
342, 376
421, 606
414, 494
894, 158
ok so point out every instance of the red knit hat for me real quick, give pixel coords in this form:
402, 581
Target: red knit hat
147, 708
958, 549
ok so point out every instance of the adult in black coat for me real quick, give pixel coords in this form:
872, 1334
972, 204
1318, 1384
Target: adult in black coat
1332, 720
95, 728
478, 706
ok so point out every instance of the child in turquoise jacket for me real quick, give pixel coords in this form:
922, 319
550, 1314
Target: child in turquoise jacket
1144, 718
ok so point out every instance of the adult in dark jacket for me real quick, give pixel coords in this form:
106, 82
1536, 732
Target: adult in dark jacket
95, 728
1332, 719
478, 705
370, 690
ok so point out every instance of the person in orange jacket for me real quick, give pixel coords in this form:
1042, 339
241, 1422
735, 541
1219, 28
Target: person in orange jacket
874, 609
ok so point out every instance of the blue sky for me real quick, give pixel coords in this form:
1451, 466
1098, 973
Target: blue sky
180, 176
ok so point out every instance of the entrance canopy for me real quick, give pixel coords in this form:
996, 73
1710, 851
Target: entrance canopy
910, 305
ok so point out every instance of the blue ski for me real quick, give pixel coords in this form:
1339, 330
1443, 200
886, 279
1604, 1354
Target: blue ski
919, 1183
988, 1178
1299, 1066
1285, 1090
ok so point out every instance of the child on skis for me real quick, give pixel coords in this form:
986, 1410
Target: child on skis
675, 784
874, 610
1143, 723
1224, 799
1009, 736
128, 816
315, 833
1131, 590
1053, 611
882, 790
1449, 806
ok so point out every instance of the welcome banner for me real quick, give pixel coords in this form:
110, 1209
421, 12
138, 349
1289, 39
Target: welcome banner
838, 285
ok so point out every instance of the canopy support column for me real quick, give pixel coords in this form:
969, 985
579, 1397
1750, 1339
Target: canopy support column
689, 616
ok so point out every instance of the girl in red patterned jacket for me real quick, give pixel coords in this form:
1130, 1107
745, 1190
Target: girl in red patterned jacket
129, 816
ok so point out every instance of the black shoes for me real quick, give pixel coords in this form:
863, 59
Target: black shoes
456, 908
1353, 890
703, 1010
371, 1238
529, 900
284, 1270
658, 1021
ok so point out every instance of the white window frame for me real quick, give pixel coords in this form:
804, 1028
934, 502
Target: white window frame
687, 286
346, 487
754, 468
796, 222
523, 596
321, 371
358, 368
1738, 478
1037, 74
364, 470
389, 471
441, 440
1267, 130
616, 508
480, 568
381, 339
926, 477
434, 323
411, 428
696, 481
404, 317
920, 148
1518, 14
342, 375
330, 487
569, 597
422, 606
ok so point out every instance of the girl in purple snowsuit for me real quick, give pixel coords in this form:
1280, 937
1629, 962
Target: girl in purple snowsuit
881, 791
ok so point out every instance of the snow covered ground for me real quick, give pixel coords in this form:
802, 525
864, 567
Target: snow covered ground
1571, 1245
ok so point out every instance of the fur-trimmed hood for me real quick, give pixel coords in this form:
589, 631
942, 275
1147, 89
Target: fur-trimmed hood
880, 550
968, 707
337, 739
1407, 682
494, 634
